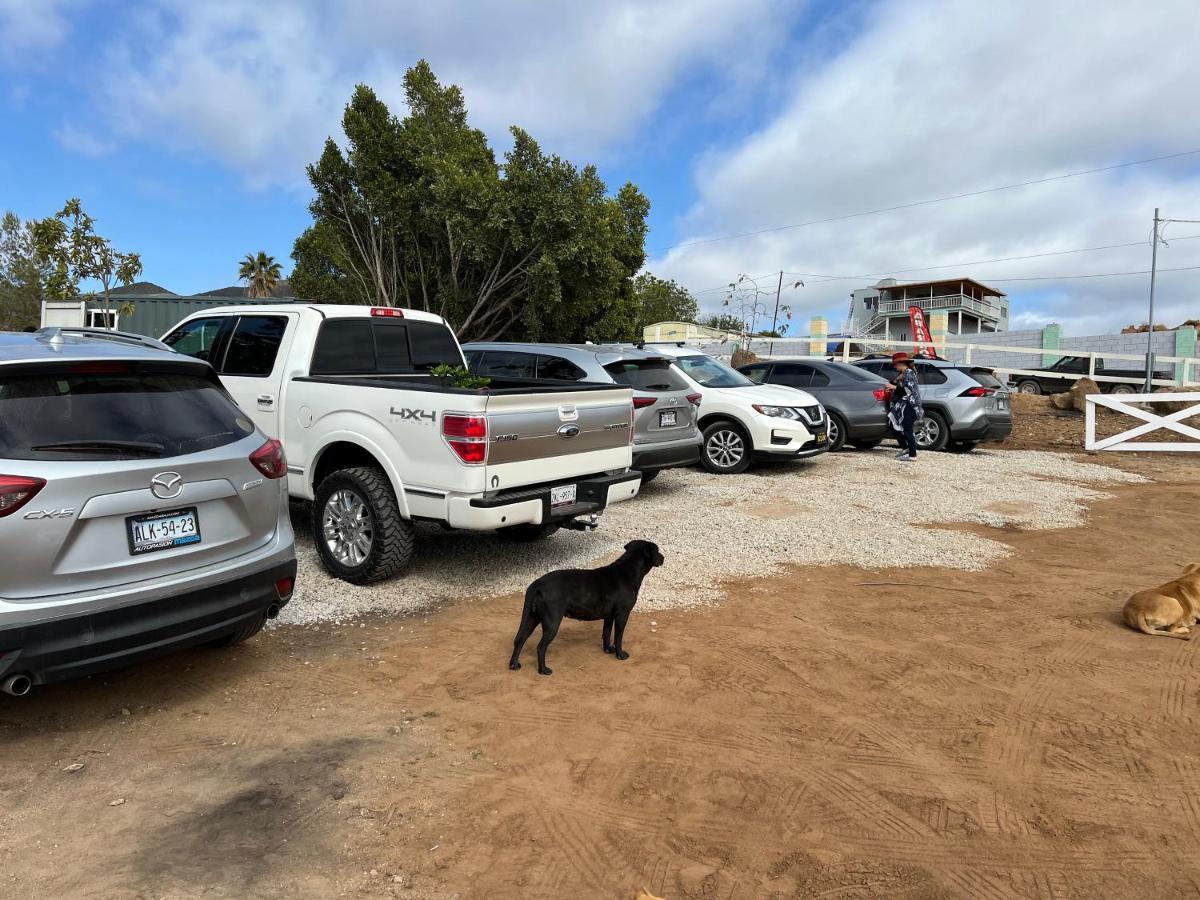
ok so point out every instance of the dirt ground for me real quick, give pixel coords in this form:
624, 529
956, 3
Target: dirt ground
831, 732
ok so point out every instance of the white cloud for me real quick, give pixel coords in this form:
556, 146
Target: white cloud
75, 139
940, 97
27, 25
260, 87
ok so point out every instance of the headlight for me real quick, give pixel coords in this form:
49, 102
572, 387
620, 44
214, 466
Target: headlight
778, 412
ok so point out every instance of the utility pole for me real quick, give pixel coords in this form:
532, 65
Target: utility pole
778, 289
1150, 324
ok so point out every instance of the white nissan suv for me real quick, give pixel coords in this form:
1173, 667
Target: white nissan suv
742, 421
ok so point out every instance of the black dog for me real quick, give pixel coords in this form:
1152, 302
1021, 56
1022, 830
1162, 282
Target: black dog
607, 593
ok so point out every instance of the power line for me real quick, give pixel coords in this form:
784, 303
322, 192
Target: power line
917, 203
1093, 275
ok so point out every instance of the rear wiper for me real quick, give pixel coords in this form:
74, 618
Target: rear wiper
144, 448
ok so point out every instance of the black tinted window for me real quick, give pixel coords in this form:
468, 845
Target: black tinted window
391, 348
473, 357
508, 364
985, 378
114, 415
254, 345
755, 373
930, 374
431, 344
819, 378
791, 375
558, 369
854, 373
646, 375
344, 347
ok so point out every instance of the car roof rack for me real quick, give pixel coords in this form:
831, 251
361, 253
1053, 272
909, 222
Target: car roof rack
56, 333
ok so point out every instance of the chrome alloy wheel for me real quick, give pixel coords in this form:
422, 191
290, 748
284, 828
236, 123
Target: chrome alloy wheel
348, 527
927, 431
725, 448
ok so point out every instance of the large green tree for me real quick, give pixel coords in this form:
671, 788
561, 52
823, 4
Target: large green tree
663, 300
22, 273
417, 212
260, 272
76, 253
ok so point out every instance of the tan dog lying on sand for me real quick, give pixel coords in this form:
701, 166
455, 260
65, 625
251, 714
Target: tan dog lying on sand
1169, 610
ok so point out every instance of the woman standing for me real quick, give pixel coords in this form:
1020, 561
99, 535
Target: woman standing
905, 406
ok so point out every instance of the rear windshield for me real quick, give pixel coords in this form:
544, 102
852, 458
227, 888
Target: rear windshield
985, 377
382, 347
646, 375
131, 415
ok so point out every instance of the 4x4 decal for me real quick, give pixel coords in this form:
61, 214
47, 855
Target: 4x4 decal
414, 415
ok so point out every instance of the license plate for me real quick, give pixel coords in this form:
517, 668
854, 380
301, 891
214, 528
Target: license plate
162, 531
564, 495
666, 418
820, 437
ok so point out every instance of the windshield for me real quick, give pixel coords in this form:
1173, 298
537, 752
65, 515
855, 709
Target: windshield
712, 373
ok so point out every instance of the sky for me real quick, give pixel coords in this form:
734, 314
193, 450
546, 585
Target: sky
185, 128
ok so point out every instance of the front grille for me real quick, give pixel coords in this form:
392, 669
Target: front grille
813, 415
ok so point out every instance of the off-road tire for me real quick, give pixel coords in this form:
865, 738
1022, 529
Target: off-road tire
394, 536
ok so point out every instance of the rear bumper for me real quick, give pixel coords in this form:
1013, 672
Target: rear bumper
678, 453
531, 505
984, 429
82, 644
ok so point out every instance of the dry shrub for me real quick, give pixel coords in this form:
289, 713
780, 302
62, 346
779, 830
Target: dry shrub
743, 357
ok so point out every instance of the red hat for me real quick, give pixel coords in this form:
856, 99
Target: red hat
900, 357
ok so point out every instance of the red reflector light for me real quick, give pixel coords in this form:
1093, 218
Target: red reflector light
269, 459
284, 587
467, 437
694, 399
100, 368
387, 312
643, 402
880, 393
16, 491
978, 392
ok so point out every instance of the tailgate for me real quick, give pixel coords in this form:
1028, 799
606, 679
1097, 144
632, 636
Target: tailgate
543, 437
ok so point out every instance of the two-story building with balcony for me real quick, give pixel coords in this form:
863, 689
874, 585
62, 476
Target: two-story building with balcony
971, 307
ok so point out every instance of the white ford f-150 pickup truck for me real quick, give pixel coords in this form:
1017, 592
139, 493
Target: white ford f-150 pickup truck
377, 443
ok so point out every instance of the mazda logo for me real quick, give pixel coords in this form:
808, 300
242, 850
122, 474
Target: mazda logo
166, 485
568, 431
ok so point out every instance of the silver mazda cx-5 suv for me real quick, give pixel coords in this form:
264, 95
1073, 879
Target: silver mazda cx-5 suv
140, 510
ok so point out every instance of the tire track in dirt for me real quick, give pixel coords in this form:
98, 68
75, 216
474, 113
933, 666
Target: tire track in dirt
1173, 695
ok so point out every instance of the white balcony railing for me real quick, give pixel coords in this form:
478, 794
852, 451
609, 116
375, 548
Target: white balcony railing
951, 301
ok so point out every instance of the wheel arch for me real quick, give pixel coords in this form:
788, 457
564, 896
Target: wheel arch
346, 454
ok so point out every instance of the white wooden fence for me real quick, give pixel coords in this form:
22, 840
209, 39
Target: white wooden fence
1130, 404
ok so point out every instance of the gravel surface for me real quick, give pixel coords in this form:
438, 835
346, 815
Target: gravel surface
863, 509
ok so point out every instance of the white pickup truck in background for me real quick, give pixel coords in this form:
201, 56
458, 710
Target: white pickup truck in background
377, 443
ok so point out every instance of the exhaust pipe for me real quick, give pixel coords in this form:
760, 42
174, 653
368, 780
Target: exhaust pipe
17, 685
273, 611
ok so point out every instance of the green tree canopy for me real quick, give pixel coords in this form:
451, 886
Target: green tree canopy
417, 212
724, 322
22, 273
260, 272
662, 300
74, 253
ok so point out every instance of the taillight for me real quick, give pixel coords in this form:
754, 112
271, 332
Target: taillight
467, 437
978, 392
694, 399
387, 312
284, 587
880, 393
16, 491
643, 402
269, 459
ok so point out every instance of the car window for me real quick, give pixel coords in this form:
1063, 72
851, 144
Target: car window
344, 347
383, 346
756, 372
646, 375
884, 370
555, 368
141, 412
473, 357
197, 337
508, 364
854, 373
430, 344
711, 373
819, 378
392, 354
927, 374
791, 375
253, 346
984, 377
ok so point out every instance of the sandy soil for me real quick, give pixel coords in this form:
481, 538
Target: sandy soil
818, 734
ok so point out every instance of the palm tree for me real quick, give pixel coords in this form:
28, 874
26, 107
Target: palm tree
261, 273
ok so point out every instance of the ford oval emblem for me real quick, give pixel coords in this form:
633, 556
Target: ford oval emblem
568, 431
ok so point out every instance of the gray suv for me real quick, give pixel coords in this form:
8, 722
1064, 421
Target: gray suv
664, 426
964, 405
140, 510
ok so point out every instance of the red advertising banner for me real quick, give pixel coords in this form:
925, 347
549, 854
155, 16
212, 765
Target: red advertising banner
920, 332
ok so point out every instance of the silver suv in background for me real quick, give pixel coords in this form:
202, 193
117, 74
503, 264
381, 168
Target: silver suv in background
964, 405
140, 510
664, 406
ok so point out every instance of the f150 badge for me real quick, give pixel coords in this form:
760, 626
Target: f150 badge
414, 415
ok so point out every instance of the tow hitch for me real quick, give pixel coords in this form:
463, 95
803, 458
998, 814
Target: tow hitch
583, 523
